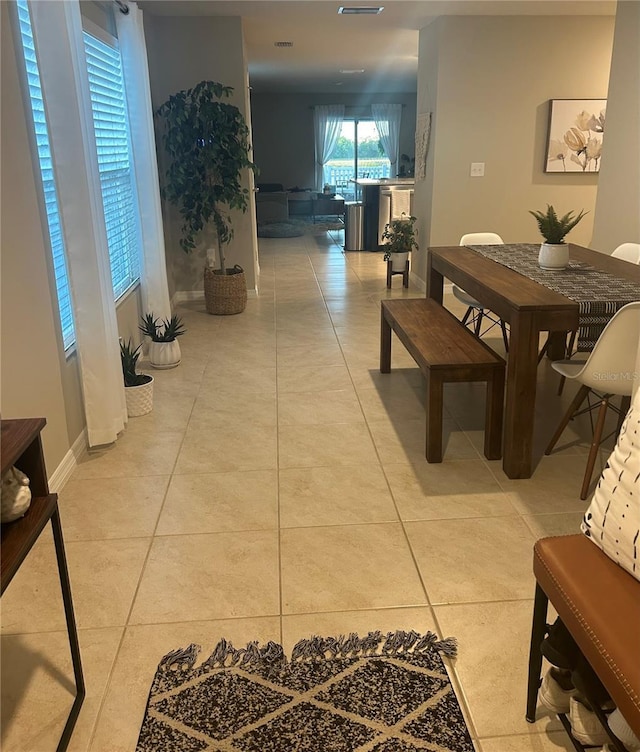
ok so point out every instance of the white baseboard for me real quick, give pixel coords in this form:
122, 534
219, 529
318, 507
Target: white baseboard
180, 296
417, 282
63, 472
422, 285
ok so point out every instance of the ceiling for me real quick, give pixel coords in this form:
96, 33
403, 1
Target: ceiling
325, 43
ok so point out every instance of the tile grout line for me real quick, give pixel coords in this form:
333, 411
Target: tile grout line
137, 589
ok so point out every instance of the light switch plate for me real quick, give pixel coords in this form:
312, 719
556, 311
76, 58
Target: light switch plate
477, 170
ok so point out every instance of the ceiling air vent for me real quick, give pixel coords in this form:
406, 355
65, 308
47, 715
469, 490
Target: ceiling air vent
283, 44
360, 10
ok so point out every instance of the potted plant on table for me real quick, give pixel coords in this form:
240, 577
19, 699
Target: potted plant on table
164, 348
207, 141
400, 239
138, 387
554, 252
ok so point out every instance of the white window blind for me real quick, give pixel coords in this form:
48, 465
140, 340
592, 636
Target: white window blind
111, 128
46, 172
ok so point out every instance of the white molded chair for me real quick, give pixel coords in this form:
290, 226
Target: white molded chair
608, 371
628, 251
475, 312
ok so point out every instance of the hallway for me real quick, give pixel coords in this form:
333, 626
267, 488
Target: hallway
279, 490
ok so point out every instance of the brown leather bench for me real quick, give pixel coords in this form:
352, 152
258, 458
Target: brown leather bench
599, 603
446, 351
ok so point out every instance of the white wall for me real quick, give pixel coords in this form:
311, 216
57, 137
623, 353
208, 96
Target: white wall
182, 52
617, 214
495, 76
427, 102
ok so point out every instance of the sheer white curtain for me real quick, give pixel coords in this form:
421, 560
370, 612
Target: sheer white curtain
135, 68
327, 121
57, 30
387, 119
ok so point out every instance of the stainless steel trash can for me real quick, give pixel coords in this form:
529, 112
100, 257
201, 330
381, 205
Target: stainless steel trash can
353, 227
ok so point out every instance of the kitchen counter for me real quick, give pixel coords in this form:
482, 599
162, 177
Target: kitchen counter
409, 182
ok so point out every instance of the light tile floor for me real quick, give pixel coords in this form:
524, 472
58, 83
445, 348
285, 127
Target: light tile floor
279, 489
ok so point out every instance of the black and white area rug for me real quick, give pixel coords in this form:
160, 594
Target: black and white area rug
379, 693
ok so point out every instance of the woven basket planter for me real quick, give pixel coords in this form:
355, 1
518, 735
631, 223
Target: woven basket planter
225, 293
139, 399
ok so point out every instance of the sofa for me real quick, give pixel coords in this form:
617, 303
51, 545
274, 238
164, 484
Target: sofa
272, 206
275, 204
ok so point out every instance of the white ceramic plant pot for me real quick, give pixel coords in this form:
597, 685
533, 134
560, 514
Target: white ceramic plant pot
139, 399
164, 354
553, 256
399, 261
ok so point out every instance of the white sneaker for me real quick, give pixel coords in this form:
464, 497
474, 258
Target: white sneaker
623, 731
553, 697
585, 726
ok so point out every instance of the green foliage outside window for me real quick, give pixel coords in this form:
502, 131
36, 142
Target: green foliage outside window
369, 148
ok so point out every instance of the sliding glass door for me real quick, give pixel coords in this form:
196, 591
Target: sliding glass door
357, 153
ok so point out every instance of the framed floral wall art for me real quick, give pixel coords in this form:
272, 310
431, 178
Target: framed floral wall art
576, 131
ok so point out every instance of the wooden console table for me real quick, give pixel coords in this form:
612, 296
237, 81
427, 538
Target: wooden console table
21, 446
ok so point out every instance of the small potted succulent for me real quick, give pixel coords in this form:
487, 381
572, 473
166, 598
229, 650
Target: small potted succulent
399, 239
164, 348
554, 252
138, 387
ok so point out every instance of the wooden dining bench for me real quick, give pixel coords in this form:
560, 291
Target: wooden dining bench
445, 351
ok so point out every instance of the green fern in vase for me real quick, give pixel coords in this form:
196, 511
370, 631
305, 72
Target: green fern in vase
553, 228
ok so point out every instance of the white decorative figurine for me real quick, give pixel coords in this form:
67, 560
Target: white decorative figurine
16, 495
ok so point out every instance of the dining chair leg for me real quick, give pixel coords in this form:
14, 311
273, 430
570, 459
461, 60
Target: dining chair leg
595, 444
479, 322
543, 352
505, 339
465, 318
573, 407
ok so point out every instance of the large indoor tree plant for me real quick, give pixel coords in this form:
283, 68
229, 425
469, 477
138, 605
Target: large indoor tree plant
207, 142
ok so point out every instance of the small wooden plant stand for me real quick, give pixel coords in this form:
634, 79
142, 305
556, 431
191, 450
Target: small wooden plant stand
404, 272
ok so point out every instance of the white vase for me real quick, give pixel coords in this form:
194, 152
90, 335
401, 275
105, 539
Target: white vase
139, 399
399, 261
164, 354
553, 256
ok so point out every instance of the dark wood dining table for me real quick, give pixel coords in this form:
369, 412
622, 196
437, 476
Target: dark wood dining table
530, 308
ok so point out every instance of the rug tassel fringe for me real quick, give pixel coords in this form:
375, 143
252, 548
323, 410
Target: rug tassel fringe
182, 659
393, 643
448, 647
315, 648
